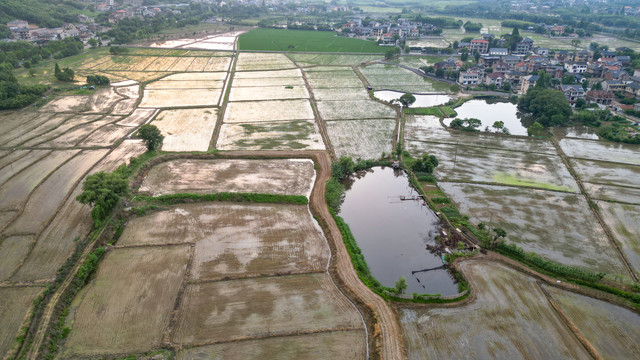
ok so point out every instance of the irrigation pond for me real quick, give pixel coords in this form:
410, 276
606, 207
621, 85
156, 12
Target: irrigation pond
490, 111
422, 100
392, 233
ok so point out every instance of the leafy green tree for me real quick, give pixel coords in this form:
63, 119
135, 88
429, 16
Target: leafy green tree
548, 107
65, 74
401, 285
343, 167
506, 87
440, 72
103, 191
151, 136
464, 54
454, 88
498, 125
593, 46
426, 163
575, 43
407, 99
93, 43
97, 80
581, 103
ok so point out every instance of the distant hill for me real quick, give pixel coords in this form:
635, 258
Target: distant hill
44, 13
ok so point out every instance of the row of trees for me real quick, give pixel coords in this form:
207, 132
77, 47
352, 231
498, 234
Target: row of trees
12, 94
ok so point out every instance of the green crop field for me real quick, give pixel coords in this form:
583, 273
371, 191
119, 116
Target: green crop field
299, 40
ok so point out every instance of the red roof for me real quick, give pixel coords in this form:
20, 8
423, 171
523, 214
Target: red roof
480, 41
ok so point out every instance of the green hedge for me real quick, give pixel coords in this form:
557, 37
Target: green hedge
227, 196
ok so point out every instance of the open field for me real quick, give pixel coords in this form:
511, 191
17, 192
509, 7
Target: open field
267, 74
279, 135
607, 173
71, 221
14, 304
510, 318
332, 59
165, 84
268, 81
137, 118
611, 329
186, 129
557, 226
463, 163
287, 177
624, 221
100, 101
18, 160
297, 40
392, 77
14, 249
347, 345
124, 107
57, 126
359, 109
613, 193
242, 309
262, 61
73, 137
333, 82
131, 298
603, 151
428, 128
361, 139
275, 110
141, 76
327, 94
185, 97
268, 93
106, 136
205, 76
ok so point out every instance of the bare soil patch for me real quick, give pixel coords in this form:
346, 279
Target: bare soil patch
186, 129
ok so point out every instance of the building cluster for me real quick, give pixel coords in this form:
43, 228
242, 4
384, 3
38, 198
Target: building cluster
387, 32
519, 68
85, 29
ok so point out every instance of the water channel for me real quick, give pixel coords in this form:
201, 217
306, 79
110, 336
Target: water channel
392, 233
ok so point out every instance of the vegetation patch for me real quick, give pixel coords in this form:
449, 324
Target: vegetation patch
299, 40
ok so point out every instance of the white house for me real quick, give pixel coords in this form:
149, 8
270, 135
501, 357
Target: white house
576, 67
469, 78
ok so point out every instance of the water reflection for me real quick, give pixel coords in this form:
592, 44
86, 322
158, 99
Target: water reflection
422, 100
392, 233
490, 111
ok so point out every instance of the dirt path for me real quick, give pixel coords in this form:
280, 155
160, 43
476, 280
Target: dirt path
391, 346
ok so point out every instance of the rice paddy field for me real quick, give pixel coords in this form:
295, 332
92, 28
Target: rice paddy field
278, 135
299, 40
603, 151
261, 111
186, 129
510, 318
286, 177
262, 61
624, 221
355, 110
390, 77
374, 137
331, 59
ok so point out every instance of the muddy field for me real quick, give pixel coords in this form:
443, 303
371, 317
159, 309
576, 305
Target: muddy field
597, 150
332, 59
243, 309
276, 110
392, 77
347, 345
186, 129
356, 110
131, 298
14, 304
607, 173
510, 318
624, 221
262, 61
328, 94
557, 226
279, 135
253, 93
613, 193
373, 138
611, 329
185, 97
287, 177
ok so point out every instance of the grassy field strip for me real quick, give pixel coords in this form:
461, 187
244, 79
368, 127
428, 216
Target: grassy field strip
555, 225
299, 40
285, 177
510, 318
186, 129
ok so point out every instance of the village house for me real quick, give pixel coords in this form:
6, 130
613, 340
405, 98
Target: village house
599, 97
494, 78
524, 46
572, 93
468, 78
479, 46
498, 51
575, 68
613, 85
632, 89
527, 82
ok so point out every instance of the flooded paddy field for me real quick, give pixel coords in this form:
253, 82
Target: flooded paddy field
361, 139
422, 100
263, 61
278, 135
510, 318
613, 193
331, 59
186, 129
391, 77
393, 234
624, 221
286, 177
557, 226
355, 110
607, 173
603, 151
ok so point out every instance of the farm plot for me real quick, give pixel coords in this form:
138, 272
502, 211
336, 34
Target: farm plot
267, 74
205, 76
624, 221
163, 63
269, 81
236, 240
12, 121
131, 297
557, 226
106, 136
18, 160
340, 82
392, 77
45, 200
268, 93
276, 110
140, 76
510, 318
14, 192
242, 309
419, 128
329, 71
14, 249
58, 126
142, 64
184, 97
613, 193
607, 173
78, 133
343, 94
347, 345
611, 329
286, 177
43, 124
131, 91
181, 65
280, 135
263, 61
101, 101
137, 118
186, 129
359, 109
198, 64
332, 59
56, 243
603, 151
14, 304
481, 165
218, 63
166, 84
361, 139
124, 107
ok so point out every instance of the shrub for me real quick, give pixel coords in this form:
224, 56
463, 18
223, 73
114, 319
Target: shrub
97, 80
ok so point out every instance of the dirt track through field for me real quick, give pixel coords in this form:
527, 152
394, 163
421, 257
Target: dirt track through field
391, 346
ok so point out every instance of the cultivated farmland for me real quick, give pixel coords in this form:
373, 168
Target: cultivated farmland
14, 304
261, 61
259, 111
597, 150
357, 109
361, 139
624, 221
286, 177
392, 77
186, 129
279, 135
331, 59
510, 318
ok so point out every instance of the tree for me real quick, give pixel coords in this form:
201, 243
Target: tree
581, 103
454, 88
97, 80
506, 87
151, 136
440, 72
597, 86
473, 123
56, 70
65, 74
498, 125
103, 191
464, 54
407, 99
476, 56
536, 129
93, 43
547, 106
426, 163
498, 233
594, 46
575, 43
343, 167
455, 44
401, 285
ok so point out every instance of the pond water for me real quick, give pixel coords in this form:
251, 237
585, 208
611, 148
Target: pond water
491, 111
421, 99
393, 234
